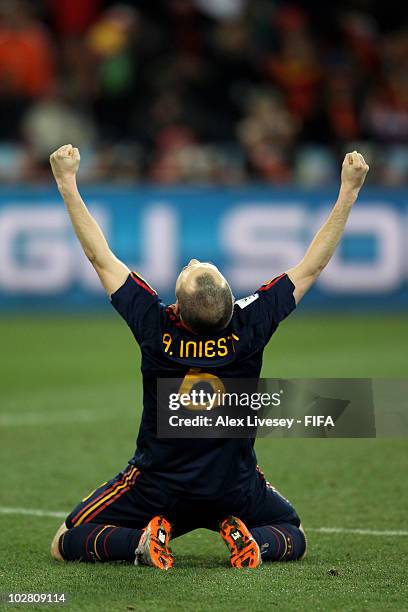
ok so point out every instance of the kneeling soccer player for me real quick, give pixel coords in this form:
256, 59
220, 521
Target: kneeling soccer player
172, 486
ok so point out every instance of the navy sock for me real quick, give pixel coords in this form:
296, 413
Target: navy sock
280, 542
94, 542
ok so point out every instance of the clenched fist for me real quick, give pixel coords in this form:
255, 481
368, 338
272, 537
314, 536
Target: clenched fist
65, 162
354, 171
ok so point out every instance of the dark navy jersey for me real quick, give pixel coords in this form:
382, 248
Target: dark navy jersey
198, 468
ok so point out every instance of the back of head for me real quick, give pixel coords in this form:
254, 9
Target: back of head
207, 307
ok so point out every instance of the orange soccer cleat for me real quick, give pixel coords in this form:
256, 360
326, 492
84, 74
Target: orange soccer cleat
153, 548
242, 546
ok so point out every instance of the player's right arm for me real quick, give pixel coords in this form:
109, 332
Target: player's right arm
112, 272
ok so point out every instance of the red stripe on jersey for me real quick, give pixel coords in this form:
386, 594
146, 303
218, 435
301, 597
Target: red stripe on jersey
140, 281
270, 283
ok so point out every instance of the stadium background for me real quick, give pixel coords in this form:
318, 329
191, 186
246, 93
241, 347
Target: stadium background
212, 129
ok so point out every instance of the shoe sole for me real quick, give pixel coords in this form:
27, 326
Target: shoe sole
159, 531
243, 549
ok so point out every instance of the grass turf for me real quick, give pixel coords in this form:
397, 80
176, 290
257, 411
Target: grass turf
69, 400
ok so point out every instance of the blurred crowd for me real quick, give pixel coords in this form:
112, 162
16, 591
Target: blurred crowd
204, 91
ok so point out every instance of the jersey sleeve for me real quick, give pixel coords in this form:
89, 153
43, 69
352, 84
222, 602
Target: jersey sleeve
276, 298
269, 305
135, 300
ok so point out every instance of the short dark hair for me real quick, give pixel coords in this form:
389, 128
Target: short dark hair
208, 307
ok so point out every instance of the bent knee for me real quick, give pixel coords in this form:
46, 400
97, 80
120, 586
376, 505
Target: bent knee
55, 547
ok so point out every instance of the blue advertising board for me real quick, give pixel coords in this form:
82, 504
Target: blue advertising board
252, 234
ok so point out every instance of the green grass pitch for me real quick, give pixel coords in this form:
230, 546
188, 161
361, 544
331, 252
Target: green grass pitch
70, 399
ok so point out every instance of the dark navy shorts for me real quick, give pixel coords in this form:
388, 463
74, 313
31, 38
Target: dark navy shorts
131, 500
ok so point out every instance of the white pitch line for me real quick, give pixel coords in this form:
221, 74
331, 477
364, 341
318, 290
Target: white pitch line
32, 512
371, 532
324, 530
34, 419
56, 418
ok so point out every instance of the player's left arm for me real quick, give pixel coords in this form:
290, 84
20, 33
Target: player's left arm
320, 251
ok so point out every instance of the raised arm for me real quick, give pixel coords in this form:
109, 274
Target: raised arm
319, 253
112, 272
